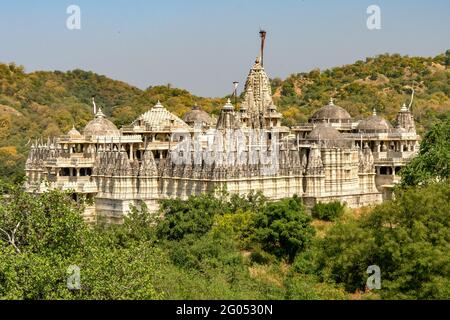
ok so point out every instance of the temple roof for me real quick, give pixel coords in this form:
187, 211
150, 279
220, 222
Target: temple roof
324, 132
196, 115
227, 118
257, 94
330, 112
326, 136
374, 123
74, 133
101, 126
159, 117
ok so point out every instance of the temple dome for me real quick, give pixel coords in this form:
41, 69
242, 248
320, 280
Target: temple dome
331, 113
101, 126
374, 123
324, 132
327, 136
196, 115
74, 133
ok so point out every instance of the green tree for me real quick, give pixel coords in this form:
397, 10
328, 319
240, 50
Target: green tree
283, 228
408, 238
193, 216
433, 161
328, 211
47, 223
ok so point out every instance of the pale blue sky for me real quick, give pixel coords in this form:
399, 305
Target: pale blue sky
203, 45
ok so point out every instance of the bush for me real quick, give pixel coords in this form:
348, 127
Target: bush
194, 216
283, 228
238, 226
328, 211
308, 287
261, 257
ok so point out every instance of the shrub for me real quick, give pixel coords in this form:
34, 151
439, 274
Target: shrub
261, 257
328, 211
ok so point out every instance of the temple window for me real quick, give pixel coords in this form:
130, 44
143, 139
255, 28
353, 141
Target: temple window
64, 172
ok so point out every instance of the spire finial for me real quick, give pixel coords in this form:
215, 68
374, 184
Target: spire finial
95, 106
100, 113
228, 105
331, 101
374, 111
412, 99
158, 105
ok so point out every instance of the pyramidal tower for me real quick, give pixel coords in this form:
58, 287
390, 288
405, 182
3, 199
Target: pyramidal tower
258, 105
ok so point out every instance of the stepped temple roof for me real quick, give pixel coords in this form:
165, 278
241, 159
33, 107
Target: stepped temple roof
159, 118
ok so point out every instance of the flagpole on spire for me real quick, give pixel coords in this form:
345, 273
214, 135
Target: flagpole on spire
262, 34
93, 103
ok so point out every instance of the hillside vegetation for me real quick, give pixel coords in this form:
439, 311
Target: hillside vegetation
379, 83
48, 103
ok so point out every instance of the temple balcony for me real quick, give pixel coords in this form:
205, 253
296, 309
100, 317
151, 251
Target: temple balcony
80, 186
133, 138
394, 155
74, 160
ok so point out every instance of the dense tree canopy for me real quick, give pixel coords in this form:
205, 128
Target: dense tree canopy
146, 257
408, 238
433, 162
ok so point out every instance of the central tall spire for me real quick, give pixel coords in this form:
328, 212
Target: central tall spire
262, 34
257, 101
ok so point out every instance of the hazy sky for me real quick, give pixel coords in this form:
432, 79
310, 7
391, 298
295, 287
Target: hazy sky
204, 45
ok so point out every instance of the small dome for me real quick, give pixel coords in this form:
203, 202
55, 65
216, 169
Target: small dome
374, 123
324, 132
331, 113
101, 126
74, 133
196, 115
327, 136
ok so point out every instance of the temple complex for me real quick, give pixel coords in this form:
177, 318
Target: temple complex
160, 156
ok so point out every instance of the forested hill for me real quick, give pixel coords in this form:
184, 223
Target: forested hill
379, 82
49, 103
